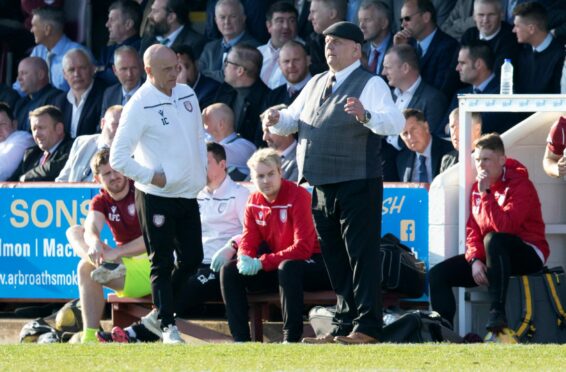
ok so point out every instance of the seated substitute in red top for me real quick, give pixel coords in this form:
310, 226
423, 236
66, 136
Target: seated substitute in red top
124, 268
554, 161
279, 250
504, 235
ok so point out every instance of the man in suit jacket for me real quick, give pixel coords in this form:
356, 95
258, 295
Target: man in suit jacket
230, 19
420, 161
473, 66
540, 61
374, 22
124, 19
489, 26
81, 105
77, 168
171, 27
204, 86
128, 69
294, 63
44, 161
410, 90
436, 49
33, 77
244, 91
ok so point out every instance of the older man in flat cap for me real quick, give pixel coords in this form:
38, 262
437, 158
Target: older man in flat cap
340, 116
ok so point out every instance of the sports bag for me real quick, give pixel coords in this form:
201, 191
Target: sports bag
401, 271
414, 326
418, 326
535, 306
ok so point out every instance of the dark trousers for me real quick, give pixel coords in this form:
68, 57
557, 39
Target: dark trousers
506, 255
203, 286
292, 277
169, 225
347, 218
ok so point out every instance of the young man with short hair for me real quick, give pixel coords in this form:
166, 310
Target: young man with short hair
279, 250
124, 268
504, 236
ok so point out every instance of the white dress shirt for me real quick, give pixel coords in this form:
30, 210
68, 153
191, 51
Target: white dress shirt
386, 119
12, 152
77, 108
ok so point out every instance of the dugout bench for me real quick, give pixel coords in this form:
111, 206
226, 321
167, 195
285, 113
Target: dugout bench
126, 311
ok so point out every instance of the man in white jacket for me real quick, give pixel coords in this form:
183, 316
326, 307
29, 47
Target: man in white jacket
161, 126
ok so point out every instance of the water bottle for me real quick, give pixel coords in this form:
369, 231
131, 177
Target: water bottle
506, 77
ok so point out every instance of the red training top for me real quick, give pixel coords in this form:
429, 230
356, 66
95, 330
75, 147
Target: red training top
511, 207
286, 225
120, 216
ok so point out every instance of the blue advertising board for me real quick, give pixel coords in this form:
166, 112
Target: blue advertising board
36, 260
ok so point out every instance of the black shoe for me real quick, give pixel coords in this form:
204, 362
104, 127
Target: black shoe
497, 321
104, 337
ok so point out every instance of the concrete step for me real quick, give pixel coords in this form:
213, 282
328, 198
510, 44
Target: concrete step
10, 329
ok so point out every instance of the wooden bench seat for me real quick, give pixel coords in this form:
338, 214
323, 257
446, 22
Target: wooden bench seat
126, 311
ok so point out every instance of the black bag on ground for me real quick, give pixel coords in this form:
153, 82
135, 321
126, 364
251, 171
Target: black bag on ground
419, 326
402, 272
415, 326
535, 306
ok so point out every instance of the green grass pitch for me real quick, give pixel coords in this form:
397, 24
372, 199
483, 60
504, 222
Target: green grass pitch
278, 357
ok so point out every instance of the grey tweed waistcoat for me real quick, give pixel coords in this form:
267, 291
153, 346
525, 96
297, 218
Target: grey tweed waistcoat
333, 146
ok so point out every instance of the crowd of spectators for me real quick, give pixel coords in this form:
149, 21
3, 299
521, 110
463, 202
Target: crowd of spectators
258, 54
254, 55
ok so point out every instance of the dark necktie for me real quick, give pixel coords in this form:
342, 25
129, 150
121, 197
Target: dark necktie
419, 50
477, 91
423, 174
328, 89
291, 91
225, 49
164, 41
373, 65
50, 56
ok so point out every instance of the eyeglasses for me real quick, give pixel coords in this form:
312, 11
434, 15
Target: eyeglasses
408, 18
226, 62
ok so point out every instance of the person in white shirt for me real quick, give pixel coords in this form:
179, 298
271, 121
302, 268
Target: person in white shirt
218, 121
81, 105
222, 203
13, 142
340, 117
282, 26
161, 126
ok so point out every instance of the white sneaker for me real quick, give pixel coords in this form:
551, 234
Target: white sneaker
171, 335
152, 324
108, 271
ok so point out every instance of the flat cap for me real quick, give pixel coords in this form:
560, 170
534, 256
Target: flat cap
345, 30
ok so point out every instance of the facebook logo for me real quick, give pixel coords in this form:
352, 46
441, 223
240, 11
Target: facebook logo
408, 230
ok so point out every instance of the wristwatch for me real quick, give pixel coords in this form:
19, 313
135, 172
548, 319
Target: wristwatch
366, 119
473, 260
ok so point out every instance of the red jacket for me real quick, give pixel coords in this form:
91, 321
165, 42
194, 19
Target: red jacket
286, 225
512, 207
